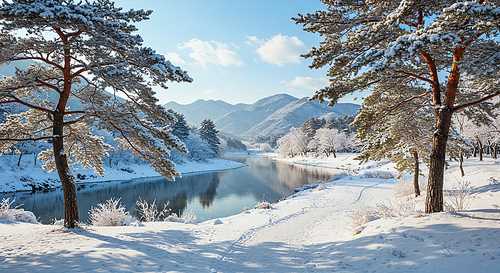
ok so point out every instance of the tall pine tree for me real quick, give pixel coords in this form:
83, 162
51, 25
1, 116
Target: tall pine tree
209, 134
367, 43
82, 48
180, 127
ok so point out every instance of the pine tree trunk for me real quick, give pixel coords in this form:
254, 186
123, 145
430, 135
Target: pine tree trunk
416, 173
461, 161
67, 179
474, 150
480, 150
434, 198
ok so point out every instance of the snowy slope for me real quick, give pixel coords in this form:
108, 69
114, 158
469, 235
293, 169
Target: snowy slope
292, 115
238, 122
306, 232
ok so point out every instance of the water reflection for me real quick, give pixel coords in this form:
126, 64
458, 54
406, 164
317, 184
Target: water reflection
208, 195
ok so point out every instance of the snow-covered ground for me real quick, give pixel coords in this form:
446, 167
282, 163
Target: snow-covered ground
307, 232
27, 174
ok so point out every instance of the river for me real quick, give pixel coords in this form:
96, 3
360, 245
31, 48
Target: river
209, 195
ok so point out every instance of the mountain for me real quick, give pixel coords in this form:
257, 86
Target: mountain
291, 115
268, 116
238, 122
199, 110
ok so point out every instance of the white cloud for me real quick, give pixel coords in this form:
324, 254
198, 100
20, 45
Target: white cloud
174, 58
308, 82
279, 49
211, 52
211, 91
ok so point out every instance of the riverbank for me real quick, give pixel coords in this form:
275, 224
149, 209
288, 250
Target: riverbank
28, 175
310, 231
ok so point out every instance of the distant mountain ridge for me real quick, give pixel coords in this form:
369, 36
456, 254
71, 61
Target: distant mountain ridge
271, 115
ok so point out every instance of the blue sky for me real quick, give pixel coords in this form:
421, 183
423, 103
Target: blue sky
236, 51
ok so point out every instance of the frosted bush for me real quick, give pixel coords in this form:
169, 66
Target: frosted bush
395, 207
10, 215
492, 181
378, 174
358, 217
337, 176
458, 197
149, 212
189, 218
389, 208
263, 205
111, 213
265, 147
405, 188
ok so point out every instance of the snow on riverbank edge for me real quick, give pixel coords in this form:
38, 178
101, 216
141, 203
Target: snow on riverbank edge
28, 176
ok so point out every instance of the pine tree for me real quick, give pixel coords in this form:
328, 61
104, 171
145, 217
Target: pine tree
409, 42
80, 49
180, 127
311, 125
209, 134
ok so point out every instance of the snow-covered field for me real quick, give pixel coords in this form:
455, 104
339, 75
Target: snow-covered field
307, 232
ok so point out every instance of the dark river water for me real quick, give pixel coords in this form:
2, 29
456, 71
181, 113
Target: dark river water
209, 195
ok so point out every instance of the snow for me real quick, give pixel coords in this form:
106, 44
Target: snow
27, 175
306, 232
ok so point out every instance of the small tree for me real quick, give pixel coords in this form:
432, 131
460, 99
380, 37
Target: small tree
79, 49
328, 141
294, 143
209, 134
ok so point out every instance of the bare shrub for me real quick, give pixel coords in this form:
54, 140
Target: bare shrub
188, 218
111, 213
395, 207
263, 205
358, 217
15, 214
405, 188
149, 212
492, 181
458, 197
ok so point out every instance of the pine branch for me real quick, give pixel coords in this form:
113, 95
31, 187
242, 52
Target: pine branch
38, 59
48, 85
27, 139
472, 103
409, 99
418, 77
16, 100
